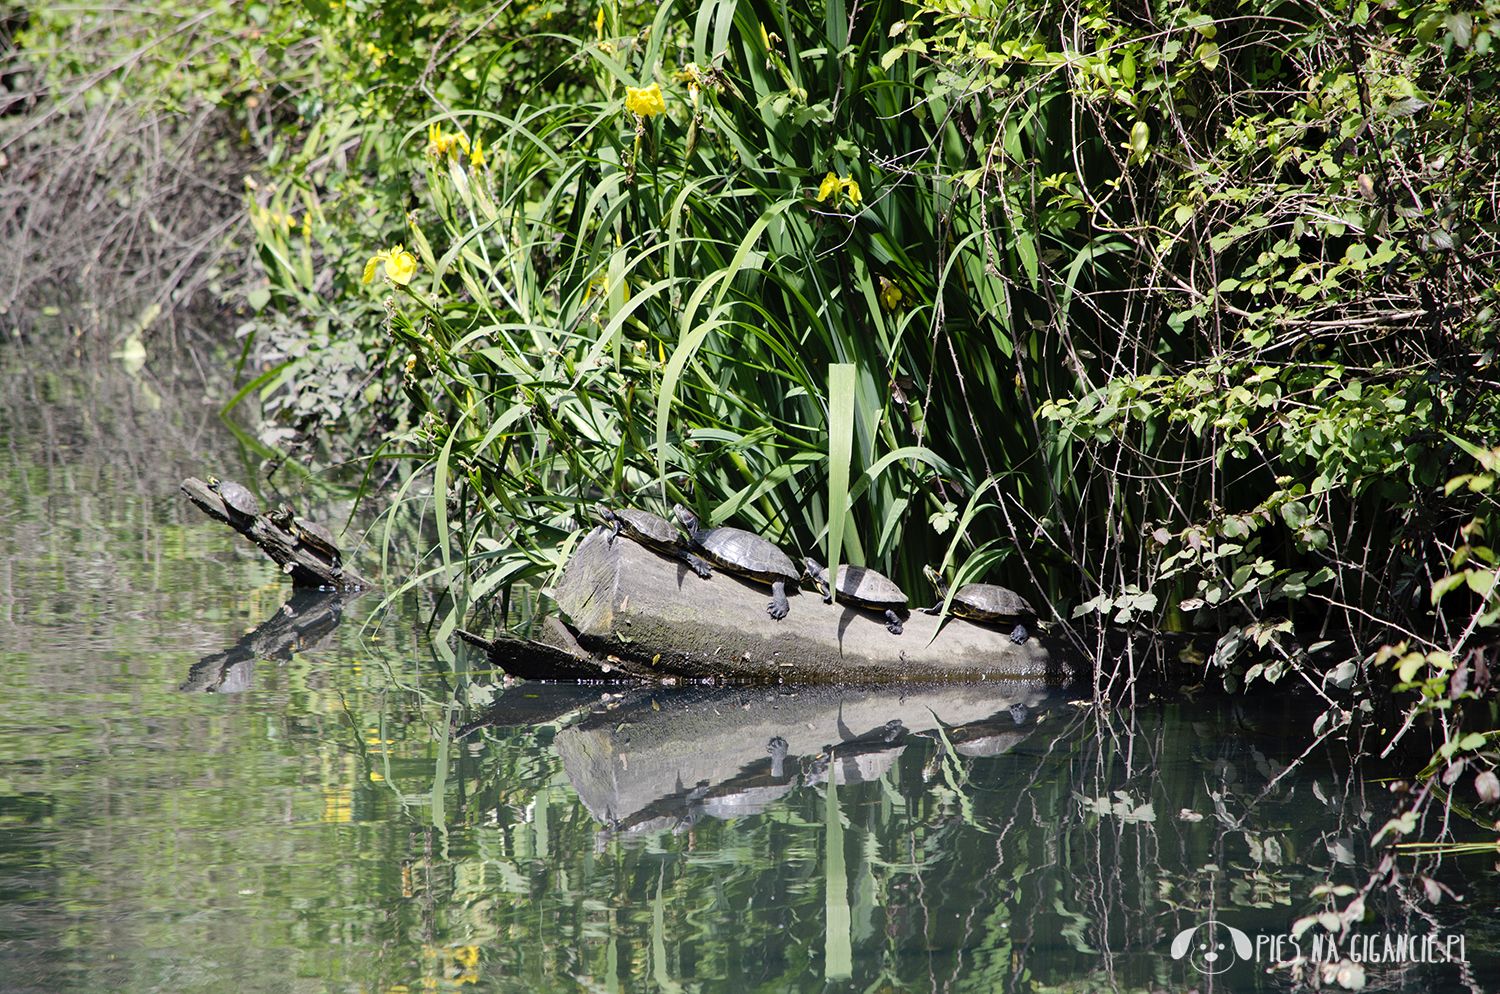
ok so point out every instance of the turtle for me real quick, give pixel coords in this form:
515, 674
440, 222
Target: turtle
984, 602
654, 532
744, 553
236, 498
861, 587
311, 534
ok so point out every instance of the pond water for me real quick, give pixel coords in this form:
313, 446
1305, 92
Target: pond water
347, 810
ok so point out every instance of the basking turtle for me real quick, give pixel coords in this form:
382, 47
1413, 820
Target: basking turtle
984, 602
653, 532
311, 534
236, 498
863, 588
744, 553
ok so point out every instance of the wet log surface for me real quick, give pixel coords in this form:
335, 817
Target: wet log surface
635, 612
308, 568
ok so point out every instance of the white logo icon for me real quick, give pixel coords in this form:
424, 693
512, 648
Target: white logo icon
1212, 947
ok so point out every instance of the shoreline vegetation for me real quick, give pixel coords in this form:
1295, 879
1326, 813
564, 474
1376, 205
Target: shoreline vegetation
1180, 317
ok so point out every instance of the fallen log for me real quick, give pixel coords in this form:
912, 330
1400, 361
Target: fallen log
636, 612
309, 567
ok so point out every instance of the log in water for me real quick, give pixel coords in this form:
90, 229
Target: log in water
654, 615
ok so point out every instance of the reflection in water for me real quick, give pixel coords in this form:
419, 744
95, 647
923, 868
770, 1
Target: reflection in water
369, 814
303, 622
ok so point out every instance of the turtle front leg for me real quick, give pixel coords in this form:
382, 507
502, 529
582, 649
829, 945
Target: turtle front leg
699, 565
1019, 634
778, 607
893, 622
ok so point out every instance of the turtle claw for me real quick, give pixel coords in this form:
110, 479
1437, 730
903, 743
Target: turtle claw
1019, 635
778, 607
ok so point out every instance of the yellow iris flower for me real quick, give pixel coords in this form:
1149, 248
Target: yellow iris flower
890, 294
400, 265
647, 102
832, 184
440, 144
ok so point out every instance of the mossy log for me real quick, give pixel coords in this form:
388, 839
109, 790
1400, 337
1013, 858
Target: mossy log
308, 567
647, 613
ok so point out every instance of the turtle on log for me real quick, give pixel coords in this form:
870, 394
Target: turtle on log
653, 532
984, 602
862, 587
743, 553
308, 533
238, 500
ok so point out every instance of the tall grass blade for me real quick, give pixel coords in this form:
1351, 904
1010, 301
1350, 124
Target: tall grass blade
840, 447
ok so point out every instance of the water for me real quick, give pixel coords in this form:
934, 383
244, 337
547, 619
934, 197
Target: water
351, 812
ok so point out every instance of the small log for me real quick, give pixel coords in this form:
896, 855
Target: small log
528, 659
629, 602
308, 568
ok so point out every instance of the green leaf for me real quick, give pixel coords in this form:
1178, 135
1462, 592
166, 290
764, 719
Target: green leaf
1295, 514
1447, 583
841, 386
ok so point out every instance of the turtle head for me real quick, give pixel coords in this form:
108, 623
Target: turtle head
936, 579
687, 519
213, 482
609, 517
814, 571
281, 516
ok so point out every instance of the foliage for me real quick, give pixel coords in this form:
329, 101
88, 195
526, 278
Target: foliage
119, 172
670, 300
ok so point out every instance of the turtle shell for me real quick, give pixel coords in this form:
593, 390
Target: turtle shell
235, 497
990, 602
654, 532
859, 585
311, 534
863, 588
643, 526
317, 538
744, 553
983, 601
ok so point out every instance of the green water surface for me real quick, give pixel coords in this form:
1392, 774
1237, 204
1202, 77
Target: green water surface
318, 823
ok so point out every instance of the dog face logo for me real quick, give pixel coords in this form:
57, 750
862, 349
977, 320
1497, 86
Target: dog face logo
1212, 947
